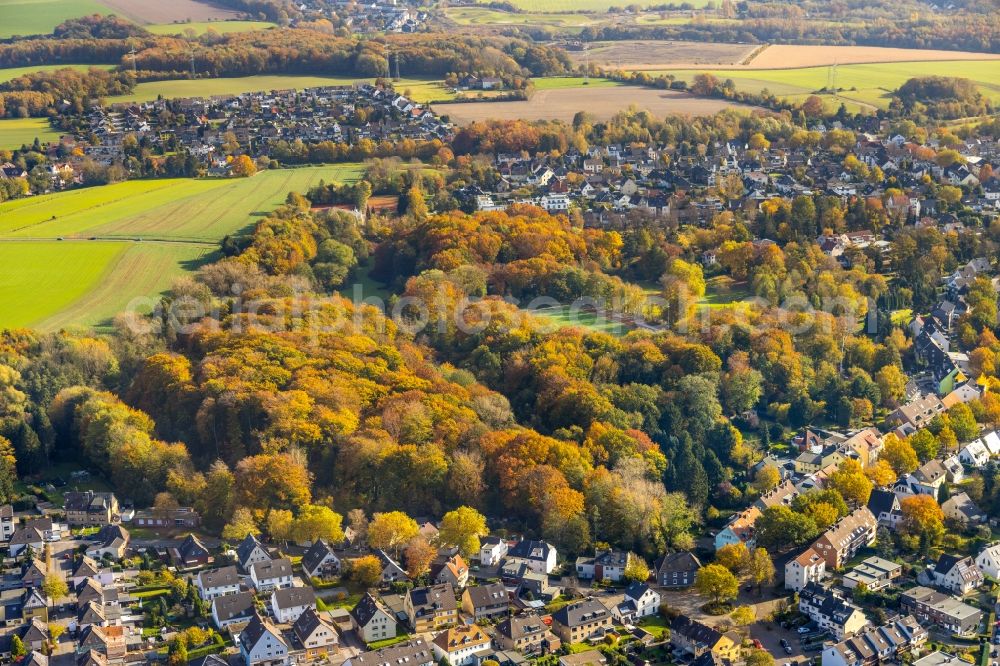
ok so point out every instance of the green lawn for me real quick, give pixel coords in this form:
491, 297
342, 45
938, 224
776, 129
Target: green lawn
723, 291
559, 82
564, 316
864, 85
147, 234
486, 16
37, 17
42, 278
15, 132
14, 72
201, 27
424, 90
584, 5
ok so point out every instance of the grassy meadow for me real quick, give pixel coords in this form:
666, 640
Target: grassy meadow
9, 73
543, 6
201, 27
39, 17
863, 86
16, 132
126, 240
424, 90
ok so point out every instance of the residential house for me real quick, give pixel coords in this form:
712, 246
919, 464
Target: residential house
676, 570
110, 541
812, 461
866, 444
932, 607
411, 653
232, 609
314, 635
91, 508
539, 556
808, 567
33, 573
320, 561
604, 565
830, 611
875, 573
451, 569
739, 529
846, 537
250, 552
485, 601
884, 505
34, 634
697, 639
7, 524
34, 604
963, 510
288, 603
585, 658
88, 568
108, 641
581, 620
190, 553
261, 644
461, 645
959, 575
988, 560
889, 643
24, 538
372, 621
391, 571
640, 601
430, 608
492, 551
266, 576
217, 582
526, 634
916, 414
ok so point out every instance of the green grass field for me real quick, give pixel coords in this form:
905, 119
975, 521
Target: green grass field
542, 6
39, 17
15, 132
564, 316
486, 16
145, 234
14, 72
201, 27
560, 82
424, 90
864, 85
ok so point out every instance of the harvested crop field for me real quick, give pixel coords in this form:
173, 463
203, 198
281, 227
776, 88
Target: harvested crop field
158, 11
603, 103
779, 56
638, 54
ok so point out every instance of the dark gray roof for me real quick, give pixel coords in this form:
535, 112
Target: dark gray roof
682, 561
694, 631
433, 598
290, 597
366, 609
411, 653
530, 550
307, 623
318, 552
253, 632
580, 613
233, 605
521, 626
223, 577
247, 546
271, 569
484, 596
